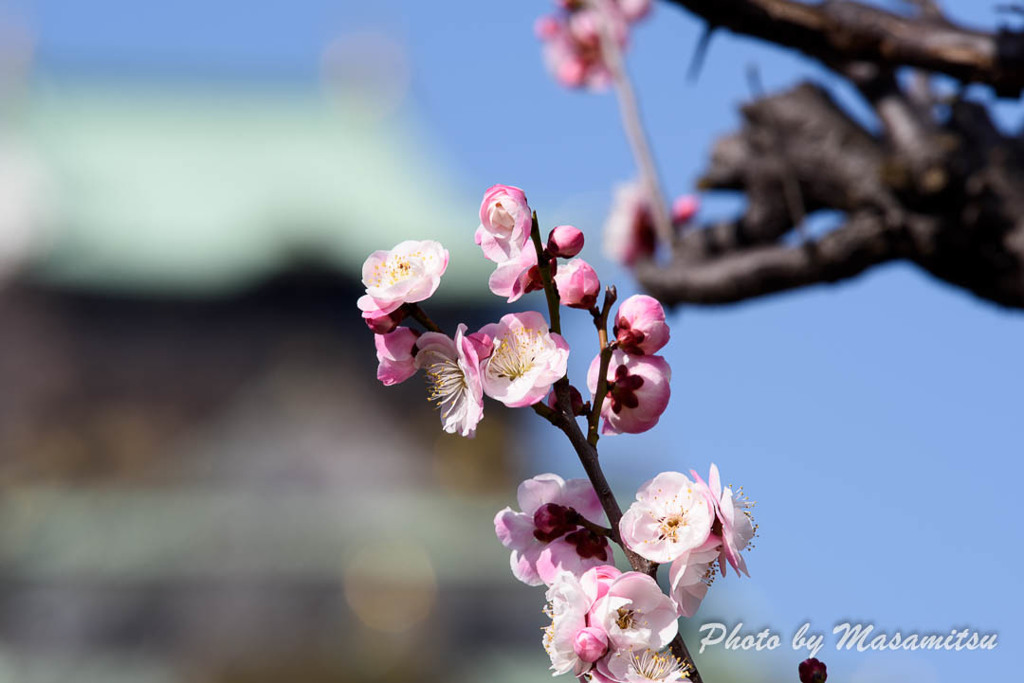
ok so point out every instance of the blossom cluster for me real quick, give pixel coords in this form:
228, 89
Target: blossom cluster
517, 359
607, 625
573, 41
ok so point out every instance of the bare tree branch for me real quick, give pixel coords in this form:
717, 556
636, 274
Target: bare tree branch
847, 251
841, 31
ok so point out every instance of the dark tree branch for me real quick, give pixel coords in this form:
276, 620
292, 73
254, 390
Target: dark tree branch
841, 31
947, 196
847, 251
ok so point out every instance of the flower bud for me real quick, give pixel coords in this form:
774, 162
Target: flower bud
382, 323
640, 325
578, 285
684, 208
590, 644
565, 241
575, 401
813, 671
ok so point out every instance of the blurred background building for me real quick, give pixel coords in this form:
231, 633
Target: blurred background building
201, 478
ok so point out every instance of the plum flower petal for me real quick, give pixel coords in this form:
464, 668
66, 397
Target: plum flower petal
505, 222
638, 391
453, 370
527, 359
409, 273
671, 515
691, 574
394, 355
515, 277
733, 521
540, 553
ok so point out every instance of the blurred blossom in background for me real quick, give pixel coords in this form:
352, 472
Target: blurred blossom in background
201, 479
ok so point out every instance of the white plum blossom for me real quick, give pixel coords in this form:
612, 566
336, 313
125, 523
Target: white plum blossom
409, 273
568, 605
635, 614
453, 370
671, 515
526, 359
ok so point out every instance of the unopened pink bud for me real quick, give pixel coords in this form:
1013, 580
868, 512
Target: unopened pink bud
575, 401
578, 284
547, 27
565, 241
640, 325
382, 323
590, 644
684, 208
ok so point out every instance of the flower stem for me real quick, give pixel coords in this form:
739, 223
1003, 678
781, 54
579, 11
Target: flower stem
601, 323
420, 316
632, 122
544, 266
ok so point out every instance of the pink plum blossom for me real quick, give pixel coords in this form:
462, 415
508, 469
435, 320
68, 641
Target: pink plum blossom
453, 369
732, 523
670, 516
505, 222
577, 283
572, 45
638, 392
690, 575
629, 229
517, 276
640, 325
565, 241
684, 208
408, 273
635, 614
526, 360
545, 538
395, 355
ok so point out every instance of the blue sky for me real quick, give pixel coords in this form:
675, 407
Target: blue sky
877, 423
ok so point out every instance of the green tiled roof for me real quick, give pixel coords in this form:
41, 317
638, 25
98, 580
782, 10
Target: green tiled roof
199, 188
